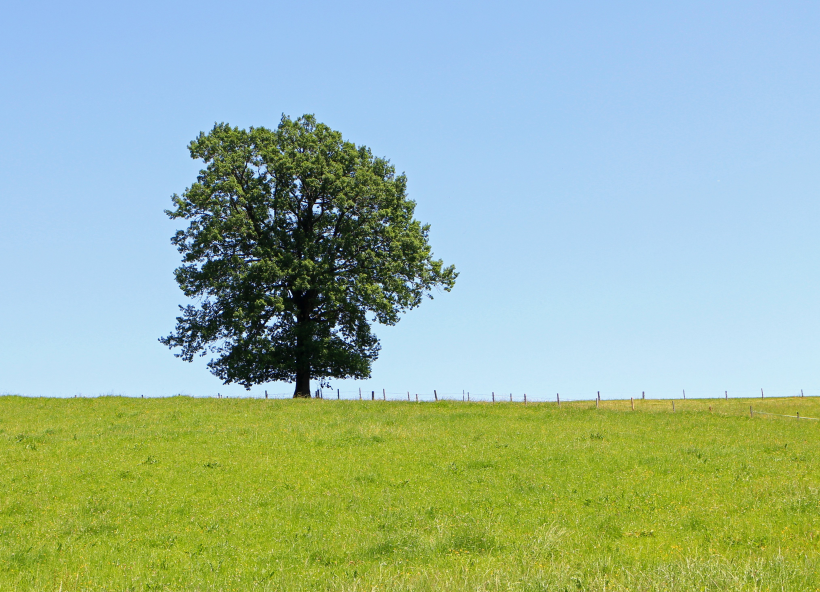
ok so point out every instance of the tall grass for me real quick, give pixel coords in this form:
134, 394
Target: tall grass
202, 494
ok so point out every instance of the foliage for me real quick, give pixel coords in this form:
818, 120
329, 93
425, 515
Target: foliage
297, 240
238, 494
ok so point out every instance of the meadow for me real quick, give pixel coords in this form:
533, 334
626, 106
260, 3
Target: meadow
121, 494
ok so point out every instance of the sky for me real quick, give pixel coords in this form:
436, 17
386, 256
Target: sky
628, 190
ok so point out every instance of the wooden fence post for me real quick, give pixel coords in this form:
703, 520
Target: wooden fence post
408, 395
266, 394
801, 393
360, 393
632, 402
684, 394
751, 413
525, 398
468, 396
673, 406
558, 398
726, 394
798, 415
761, 393
510, 397
493, 396
338, 396
417, 397
372, 395
643, 395
435, 394
384, 395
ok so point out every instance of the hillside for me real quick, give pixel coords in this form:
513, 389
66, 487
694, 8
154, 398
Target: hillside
232, 494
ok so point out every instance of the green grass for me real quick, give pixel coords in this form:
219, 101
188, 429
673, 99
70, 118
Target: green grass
186, 494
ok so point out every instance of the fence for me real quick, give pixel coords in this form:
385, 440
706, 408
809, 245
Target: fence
496, 397
492, 397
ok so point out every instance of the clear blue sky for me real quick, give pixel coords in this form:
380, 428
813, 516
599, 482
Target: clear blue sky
629, 190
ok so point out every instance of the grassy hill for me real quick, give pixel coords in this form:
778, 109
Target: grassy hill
232, 494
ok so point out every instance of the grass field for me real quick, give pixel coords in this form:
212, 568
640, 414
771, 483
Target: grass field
206, 494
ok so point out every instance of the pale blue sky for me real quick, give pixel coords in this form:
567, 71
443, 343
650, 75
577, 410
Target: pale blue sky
629, 190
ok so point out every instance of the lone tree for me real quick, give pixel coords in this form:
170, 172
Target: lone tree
297, 240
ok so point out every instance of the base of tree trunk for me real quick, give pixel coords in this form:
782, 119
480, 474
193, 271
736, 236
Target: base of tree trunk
302, 390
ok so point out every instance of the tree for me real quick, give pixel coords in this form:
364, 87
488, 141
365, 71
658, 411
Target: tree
297, 241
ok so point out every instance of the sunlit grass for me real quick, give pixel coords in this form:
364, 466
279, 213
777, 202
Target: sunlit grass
232, 494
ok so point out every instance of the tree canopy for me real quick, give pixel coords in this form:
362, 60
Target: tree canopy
297, 241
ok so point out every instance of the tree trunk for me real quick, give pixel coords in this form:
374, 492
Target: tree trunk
302, 384
303, 344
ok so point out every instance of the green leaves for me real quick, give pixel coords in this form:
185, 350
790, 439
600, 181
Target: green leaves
294, 237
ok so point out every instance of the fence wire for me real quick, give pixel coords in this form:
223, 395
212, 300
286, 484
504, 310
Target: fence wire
495, 396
